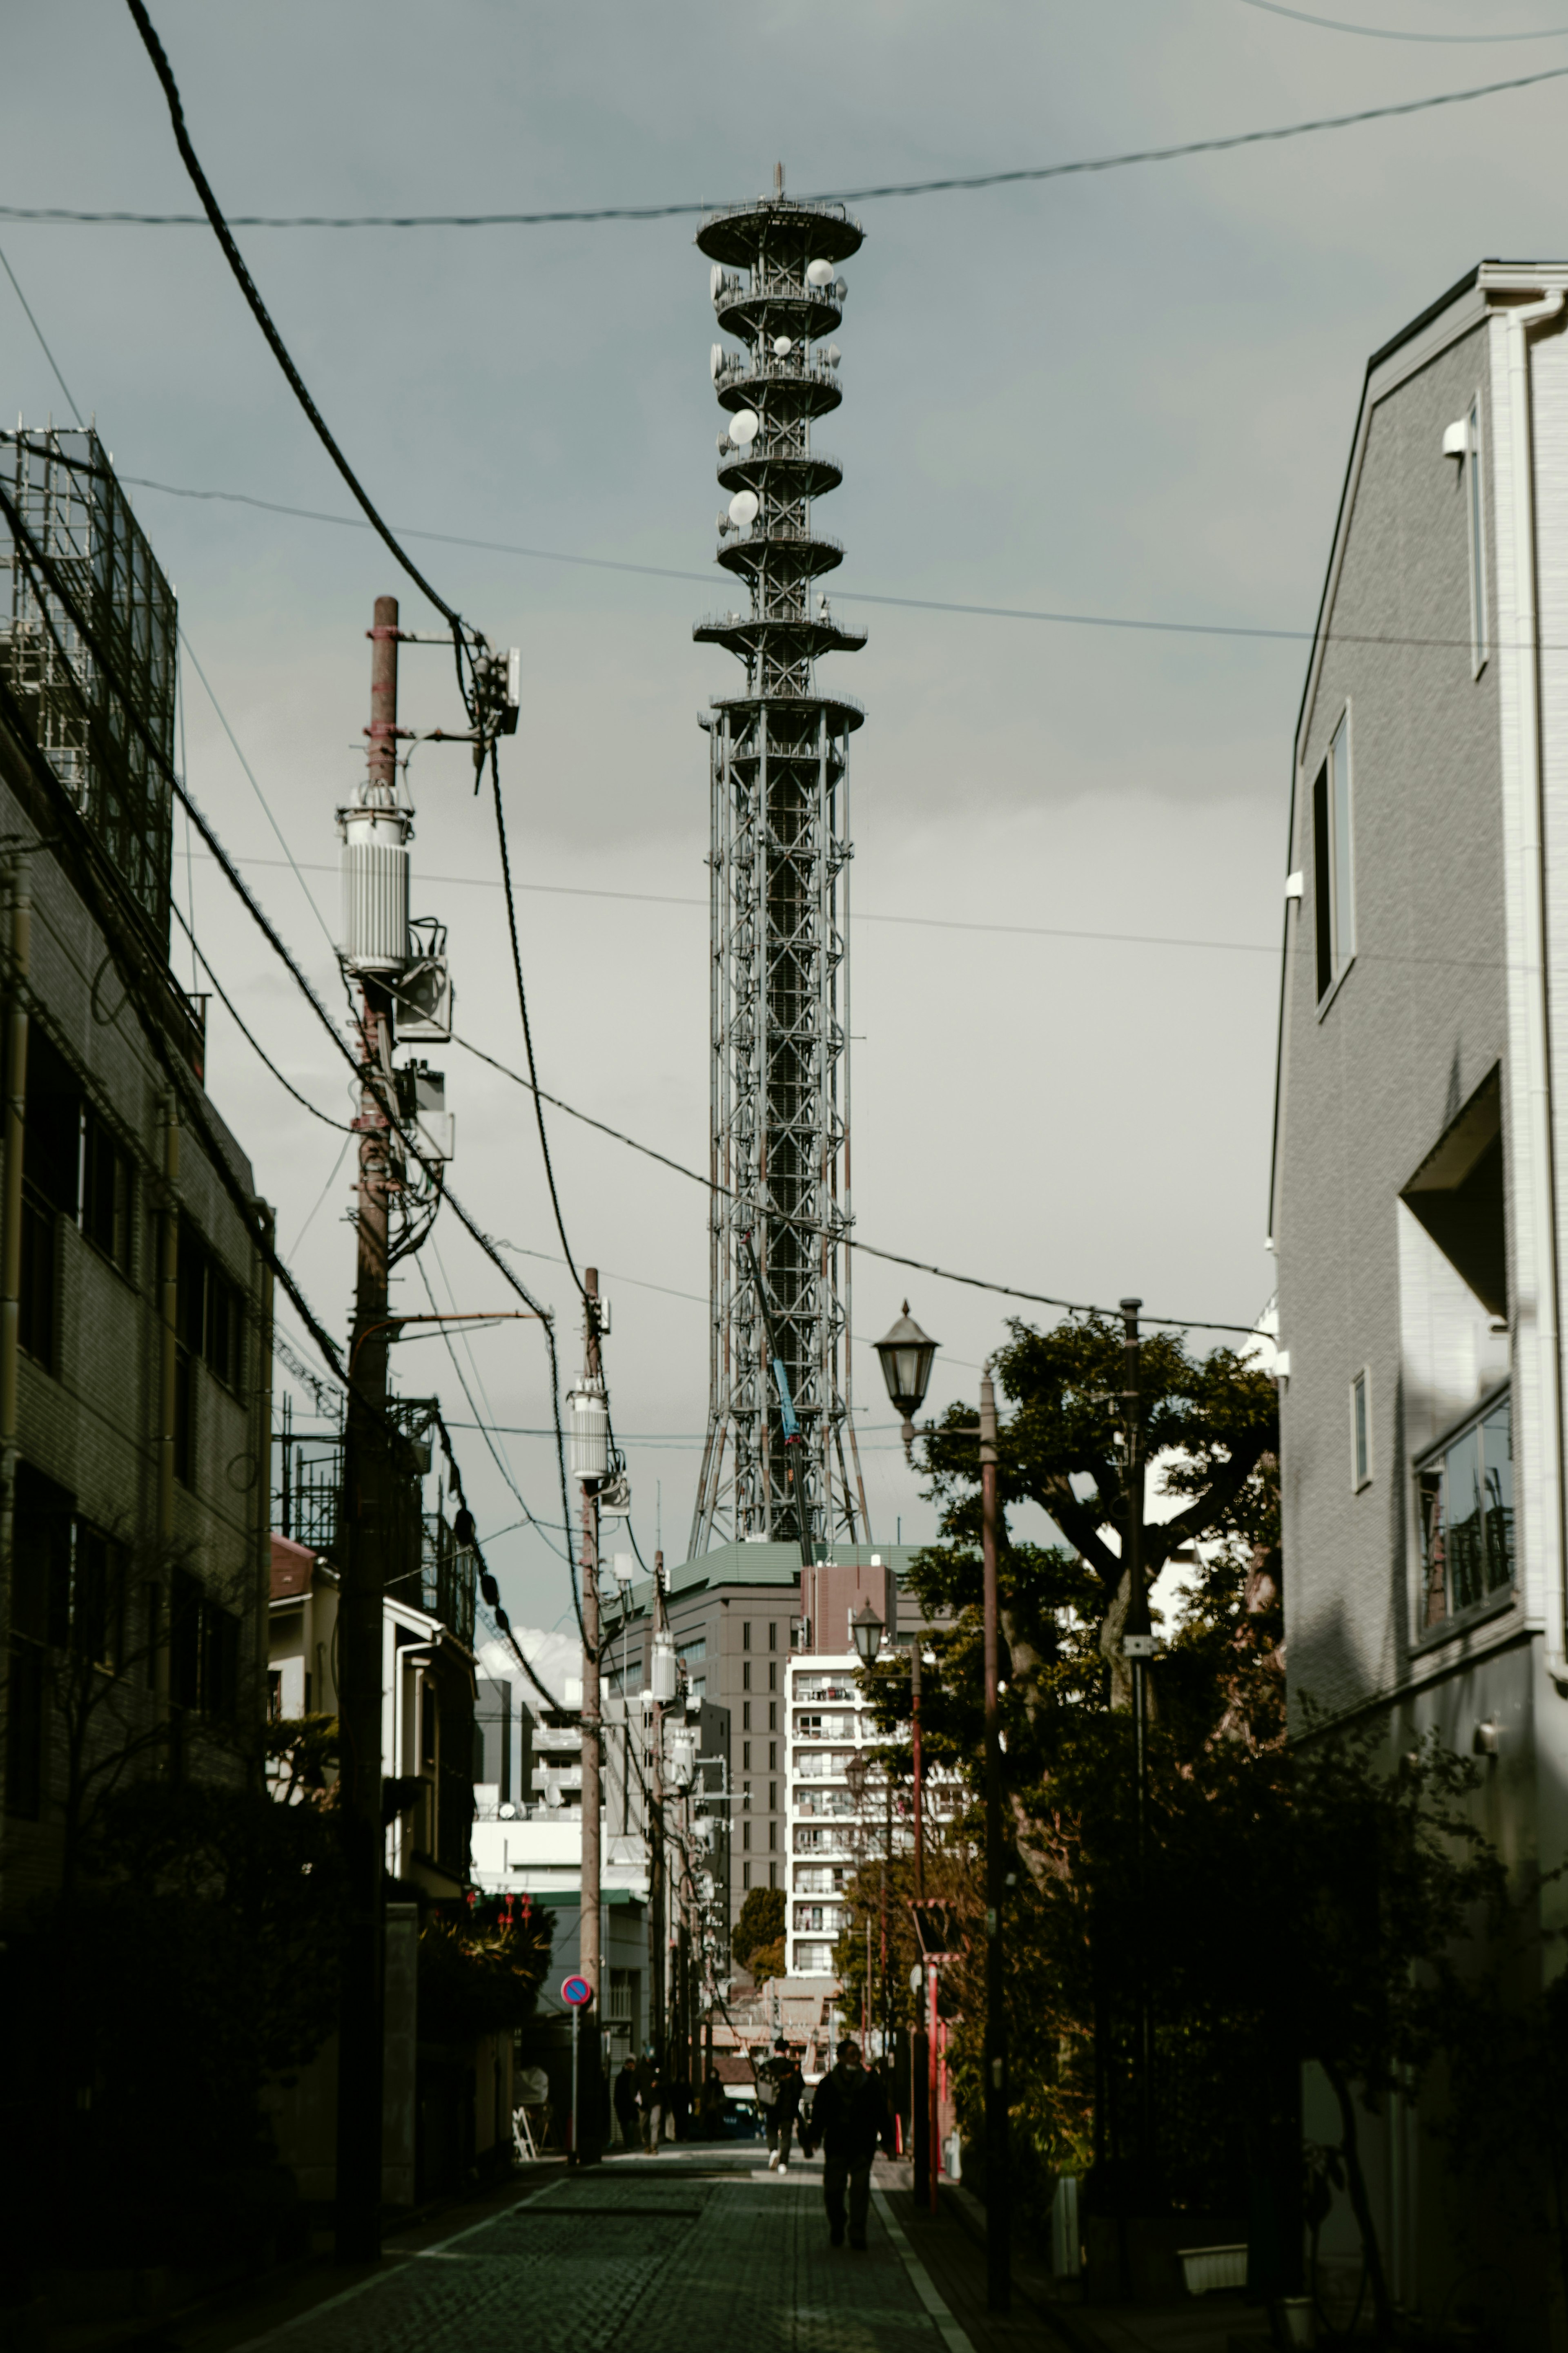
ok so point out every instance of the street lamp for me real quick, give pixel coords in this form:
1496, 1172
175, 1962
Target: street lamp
866, 1628
907, 1354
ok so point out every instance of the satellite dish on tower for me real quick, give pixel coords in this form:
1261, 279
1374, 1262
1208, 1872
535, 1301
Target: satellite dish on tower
716, 361
745, 428
782, 347
819, 273
832, 356
743, 508
716, 280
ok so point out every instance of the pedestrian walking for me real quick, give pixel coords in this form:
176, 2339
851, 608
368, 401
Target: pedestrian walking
780, 2085
850, 2121
681, 2108
655, 2108
628, 2107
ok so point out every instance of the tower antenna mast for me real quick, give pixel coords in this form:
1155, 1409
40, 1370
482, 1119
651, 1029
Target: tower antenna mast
779, 770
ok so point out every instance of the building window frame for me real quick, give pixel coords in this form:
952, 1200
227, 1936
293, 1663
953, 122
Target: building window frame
1459, 1583
1360, 1429
1332, 817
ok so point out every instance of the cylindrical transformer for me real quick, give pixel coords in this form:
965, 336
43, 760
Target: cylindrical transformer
588, 1431
374, 869
661, 1678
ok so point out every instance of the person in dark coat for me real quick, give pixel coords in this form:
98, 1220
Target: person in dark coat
849, 2120
628, 2108
780, 2085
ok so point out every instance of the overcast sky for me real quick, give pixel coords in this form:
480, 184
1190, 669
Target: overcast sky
1127, 395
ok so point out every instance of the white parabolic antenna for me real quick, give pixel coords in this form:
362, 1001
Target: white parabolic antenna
832, 356
745, 427
743, 509
781, 346
817, 273
716, 281
716, 361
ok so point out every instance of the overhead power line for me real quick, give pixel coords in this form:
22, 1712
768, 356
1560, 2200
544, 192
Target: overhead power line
263, 317
1380, 32
949, 184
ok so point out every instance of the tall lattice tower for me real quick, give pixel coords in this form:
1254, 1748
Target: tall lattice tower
780, 779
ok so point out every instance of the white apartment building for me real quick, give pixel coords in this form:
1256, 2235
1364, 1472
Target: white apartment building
828, 1724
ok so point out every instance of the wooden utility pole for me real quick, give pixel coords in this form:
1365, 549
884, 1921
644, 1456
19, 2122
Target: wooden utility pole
362, 1546
657, 1959
589, 1960
998, 2264
1137, 1647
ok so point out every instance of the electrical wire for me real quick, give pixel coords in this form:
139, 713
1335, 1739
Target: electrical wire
1376, 33
267, 807
35, 561
321, 1196
527, 1027
1052, 617
948, 184
257, 1048
280, 350
43, 345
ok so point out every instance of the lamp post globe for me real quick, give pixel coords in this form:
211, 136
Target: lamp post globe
867, 1630
906, 1354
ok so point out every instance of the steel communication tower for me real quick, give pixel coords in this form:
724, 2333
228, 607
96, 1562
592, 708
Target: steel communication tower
780, 1460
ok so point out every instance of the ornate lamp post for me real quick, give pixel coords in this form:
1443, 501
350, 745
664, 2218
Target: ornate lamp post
908, 1354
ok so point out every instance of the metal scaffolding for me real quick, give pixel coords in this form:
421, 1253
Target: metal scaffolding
77, 517
779, 975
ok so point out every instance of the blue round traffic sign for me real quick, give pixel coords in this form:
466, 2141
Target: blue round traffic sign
578, 1992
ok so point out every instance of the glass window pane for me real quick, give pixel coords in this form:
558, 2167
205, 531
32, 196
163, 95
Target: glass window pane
1496, 1472
1344, 895
1433, 1547
1466, 1576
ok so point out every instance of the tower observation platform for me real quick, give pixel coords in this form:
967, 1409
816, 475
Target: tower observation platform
780, 1461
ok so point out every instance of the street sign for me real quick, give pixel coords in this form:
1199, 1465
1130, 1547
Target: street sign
577, 1992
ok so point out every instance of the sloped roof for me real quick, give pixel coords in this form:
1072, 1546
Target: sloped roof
293, 1566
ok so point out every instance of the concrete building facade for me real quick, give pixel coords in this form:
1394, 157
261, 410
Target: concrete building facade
1421, 1137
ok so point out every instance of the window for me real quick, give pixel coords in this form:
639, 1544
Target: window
773, 1874
746, 1874
210, 1313
106, 1190
808, 1727
772, 1715
773, 1674
745, 1715
746, 1842
772, 1797
746, 1676
1465, 1494
772, 1634
745, 1756
773, 1756
1476, 531
1332, 870
745, 1634
1361, 1430
204, 1655
689, 1652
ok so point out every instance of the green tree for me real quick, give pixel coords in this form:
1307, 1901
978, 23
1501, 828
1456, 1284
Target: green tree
760, 1926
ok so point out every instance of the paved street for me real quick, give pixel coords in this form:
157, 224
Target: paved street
677, 2254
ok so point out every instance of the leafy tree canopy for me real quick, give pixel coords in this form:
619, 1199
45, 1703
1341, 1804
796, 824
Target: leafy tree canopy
761, 1922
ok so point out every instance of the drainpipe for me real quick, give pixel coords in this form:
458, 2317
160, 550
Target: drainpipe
1518, 320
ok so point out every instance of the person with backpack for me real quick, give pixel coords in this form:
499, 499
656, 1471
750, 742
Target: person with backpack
849, 2120
780, 2085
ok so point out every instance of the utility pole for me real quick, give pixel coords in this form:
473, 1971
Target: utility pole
363, 1539
589, 1957
998, 2265
1138, 1648
657, 1959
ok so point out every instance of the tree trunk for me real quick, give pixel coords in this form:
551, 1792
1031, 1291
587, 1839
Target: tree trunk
1361, 2205
1112, 1627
